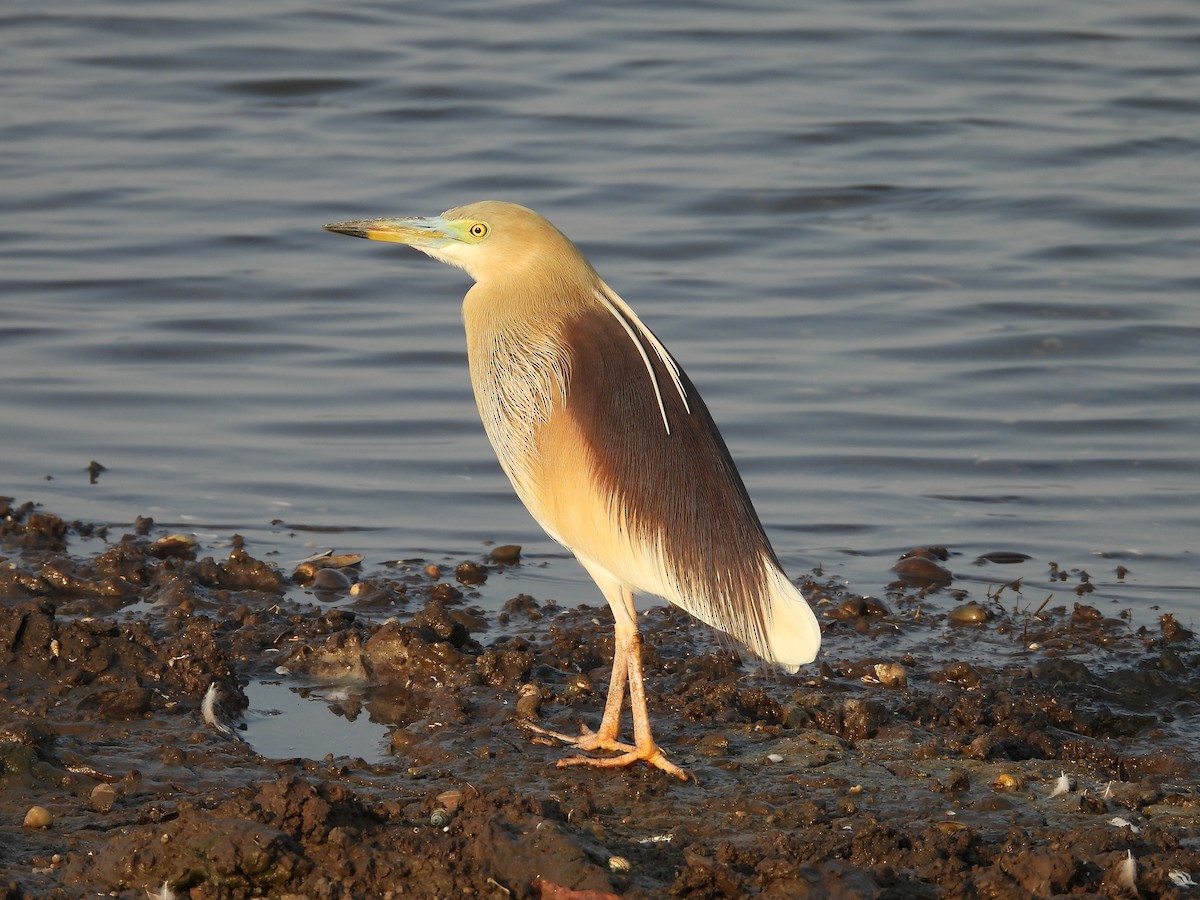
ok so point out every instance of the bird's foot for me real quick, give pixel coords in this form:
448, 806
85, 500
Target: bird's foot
651, 756
587, 740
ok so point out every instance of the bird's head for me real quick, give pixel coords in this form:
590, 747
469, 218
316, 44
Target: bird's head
491, 240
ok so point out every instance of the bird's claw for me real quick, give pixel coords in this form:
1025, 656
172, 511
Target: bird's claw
651, 756
588, 741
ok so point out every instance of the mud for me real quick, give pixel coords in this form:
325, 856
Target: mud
1005, 750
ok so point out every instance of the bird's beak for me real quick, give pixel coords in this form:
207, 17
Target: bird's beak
416, 232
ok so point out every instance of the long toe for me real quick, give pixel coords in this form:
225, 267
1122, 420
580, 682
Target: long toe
652, 756
586, 741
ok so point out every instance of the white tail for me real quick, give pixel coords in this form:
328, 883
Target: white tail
793, 636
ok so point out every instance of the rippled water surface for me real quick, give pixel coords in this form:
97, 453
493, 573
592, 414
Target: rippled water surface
934, 266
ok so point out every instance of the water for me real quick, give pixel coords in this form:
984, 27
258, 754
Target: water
334, 721
933, 265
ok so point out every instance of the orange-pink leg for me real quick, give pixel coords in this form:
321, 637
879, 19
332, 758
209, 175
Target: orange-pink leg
610, 724
626, 670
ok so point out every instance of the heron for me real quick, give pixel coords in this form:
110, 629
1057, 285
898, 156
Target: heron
608, 444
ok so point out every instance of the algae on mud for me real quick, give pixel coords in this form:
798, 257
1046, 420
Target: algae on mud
847, 780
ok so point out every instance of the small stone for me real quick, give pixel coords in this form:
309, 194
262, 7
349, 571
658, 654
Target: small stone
174, 545
103, 797
891, 674
713, 743
1006, 782
529, 701
618, 864
507, 553
1003, 557
922, 572
38, 817
470, 573
858, 607
969, 614
331, 580
579, 685
446, 593
980, 747
449, 800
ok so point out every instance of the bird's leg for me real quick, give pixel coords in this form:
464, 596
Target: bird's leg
610, 725
627, 668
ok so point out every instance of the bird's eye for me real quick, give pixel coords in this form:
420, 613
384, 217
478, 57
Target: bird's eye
478, 230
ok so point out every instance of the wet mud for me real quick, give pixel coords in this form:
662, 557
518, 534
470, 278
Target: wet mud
953, 741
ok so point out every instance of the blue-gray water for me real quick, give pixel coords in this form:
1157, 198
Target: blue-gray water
934, 265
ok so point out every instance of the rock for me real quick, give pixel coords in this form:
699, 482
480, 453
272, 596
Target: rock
507, 553
103, 797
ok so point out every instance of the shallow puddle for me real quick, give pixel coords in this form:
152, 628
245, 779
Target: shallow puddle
284, 721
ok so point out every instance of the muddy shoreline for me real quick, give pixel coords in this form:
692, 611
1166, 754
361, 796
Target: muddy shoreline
946, 745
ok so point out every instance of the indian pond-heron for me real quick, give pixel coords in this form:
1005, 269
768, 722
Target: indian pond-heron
610, 447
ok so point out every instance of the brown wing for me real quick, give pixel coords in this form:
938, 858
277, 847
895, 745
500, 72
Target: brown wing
678, 491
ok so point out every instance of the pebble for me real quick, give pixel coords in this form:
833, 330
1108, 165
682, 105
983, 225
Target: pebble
969, 614
330, 580
618, 864
449, 800
961, 673
1007, 782
470, 573
529, 702
507, 553
173, 545
857, 607
891, 674
579, 685
923, 571
1003, 557
38, 817
309, 569
103, 797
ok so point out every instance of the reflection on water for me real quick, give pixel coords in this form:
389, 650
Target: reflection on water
283, 722
933, 267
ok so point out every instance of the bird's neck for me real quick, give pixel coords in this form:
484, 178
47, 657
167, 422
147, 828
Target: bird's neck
522, 305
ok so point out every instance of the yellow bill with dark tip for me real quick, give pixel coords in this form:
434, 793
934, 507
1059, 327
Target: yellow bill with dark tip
417, 231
